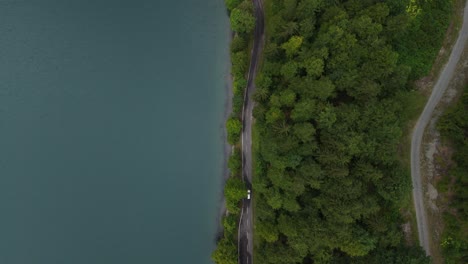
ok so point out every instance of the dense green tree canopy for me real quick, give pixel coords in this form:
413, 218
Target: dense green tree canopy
332, 99
234, 127
242, 21
329, 106
234, 191
226, 252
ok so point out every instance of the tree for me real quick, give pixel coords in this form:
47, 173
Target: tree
289, 69
235, 162
359, 244
314, 67
287, 98
238, 43
326, 118
230, 224
239, 64
234, 127
329, 116
234, 191
231, 4
226, 252
267, 231
304, 110
242, 21
292, 45
239, 85
274, 115
304, 131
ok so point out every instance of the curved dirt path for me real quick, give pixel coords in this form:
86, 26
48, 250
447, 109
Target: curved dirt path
437, 92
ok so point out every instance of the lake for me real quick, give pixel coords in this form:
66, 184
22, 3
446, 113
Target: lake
111, 122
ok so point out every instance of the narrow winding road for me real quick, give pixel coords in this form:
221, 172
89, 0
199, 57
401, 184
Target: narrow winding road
437, 92
246, 220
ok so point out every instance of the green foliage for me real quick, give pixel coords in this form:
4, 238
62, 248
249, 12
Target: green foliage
289, 70
247, 5
400, 255
453, 126
230, 224
292, 46
234, 127
242, 21
234, 191
454, 122
326, 118
235, 162
330, 116
332, 100
425, 26
237, 103
231, 4
268, 232
239, 86
226, 252
239, 63
304, 131
314, 67
238, 43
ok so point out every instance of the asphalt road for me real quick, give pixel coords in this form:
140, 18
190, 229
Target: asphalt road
437, 92
246, 222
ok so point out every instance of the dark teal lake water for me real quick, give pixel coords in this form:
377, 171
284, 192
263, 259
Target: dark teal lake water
111, 116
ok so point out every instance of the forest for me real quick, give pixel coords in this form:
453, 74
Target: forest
454, 126
332, 98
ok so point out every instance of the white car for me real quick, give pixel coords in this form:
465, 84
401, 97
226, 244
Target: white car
248, 194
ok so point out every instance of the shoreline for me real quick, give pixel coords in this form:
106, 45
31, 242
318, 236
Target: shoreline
226, 146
